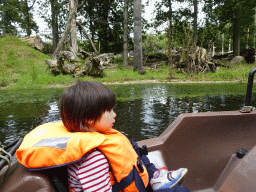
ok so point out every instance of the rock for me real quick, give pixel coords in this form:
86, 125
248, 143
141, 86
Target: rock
51, 63
34, 41
237, 60
249, 55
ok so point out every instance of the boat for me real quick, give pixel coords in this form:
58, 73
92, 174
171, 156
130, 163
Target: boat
218, 148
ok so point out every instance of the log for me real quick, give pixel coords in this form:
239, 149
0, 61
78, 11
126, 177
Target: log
94, 66
34, 41
67, 55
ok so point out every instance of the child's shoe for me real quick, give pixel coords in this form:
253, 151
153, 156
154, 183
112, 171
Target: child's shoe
167, 179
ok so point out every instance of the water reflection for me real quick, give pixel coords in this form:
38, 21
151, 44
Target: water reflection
146, 114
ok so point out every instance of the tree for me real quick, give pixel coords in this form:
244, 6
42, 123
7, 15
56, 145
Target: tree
151, 43
64, 35
54, 22
73, 39
56, 17
9, 13
237, 12
137, 37
125, 32
27, 22
14, 13
195, 20
171, 17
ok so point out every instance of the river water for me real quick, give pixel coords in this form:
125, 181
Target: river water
143, 110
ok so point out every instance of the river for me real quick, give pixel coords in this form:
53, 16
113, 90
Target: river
143, 110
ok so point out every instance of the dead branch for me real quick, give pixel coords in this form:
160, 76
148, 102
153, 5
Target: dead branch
78, 23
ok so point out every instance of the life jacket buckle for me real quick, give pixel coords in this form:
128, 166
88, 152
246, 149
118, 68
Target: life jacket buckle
143, 150
140, 165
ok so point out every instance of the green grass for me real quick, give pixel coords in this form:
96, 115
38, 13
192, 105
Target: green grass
21, 66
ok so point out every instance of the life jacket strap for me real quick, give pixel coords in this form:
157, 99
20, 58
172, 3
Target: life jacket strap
133, 176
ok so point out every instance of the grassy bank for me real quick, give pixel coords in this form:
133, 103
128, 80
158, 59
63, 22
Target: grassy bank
21, 66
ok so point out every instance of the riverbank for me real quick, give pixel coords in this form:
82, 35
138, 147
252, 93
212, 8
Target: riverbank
151, 82
23, 67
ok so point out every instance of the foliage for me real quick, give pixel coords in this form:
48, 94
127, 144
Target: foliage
117, 59
225, 15
16, 12
180, 30
152, 43
57, 15
104, 19
9, 15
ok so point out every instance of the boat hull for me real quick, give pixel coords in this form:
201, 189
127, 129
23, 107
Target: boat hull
205, 143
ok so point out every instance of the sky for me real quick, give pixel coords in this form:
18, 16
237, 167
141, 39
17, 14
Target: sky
148, 15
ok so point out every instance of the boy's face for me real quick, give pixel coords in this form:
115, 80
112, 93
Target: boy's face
105, 123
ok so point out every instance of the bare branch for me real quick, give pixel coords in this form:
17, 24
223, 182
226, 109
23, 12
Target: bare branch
64, 35
88, 37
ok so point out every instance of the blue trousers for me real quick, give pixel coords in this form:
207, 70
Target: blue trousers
151, 169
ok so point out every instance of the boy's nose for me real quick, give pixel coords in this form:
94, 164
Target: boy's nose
114, 114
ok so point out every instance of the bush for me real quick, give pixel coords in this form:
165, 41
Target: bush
158, 56
118, 59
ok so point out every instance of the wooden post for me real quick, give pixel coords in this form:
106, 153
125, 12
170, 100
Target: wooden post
247, 46
213, 50
229, 45
222, 50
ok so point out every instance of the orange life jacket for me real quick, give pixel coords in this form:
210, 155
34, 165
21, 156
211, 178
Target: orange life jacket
51, 145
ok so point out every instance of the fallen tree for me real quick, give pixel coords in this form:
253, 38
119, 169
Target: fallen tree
65, 63
248, 54
69, 62
195, 60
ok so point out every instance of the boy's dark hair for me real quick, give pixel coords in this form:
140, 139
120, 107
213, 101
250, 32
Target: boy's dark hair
85, 101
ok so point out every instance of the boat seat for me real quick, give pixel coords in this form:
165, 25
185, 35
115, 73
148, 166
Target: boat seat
156, 158
242, 177
51, 180
20, 179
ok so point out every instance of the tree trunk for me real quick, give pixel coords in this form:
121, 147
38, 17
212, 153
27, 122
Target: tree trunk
94, 48
125, 33
137, 37
195, 21
55, 30
103, 29
222, 49
73, 43
236, 32
64, 35
254, 31
170, 38
28, 30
